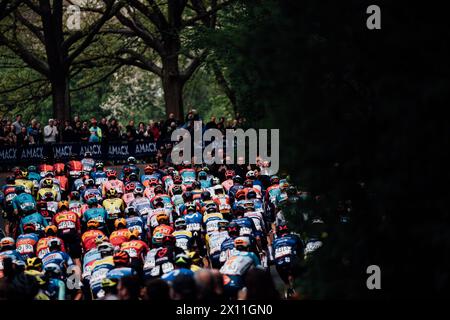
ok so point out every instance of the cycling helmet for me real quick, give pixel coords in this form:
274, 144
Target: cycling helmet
89, 182
153, 182
162, 218
92, 201
109, 283
222, 224
121, 258
215, 181
111, 174
237, 179
93, 224
240, 195
131, 160
7, 243
47, 183
182, 260
233, 229
99, 165
49, 196
111, 193
50, 230
158, 203
282, 229
206, 195
133, 176
168, 240
196, 185
34, 263
202, 175
229, 174
100, 239
120, 222
250, 174
130, 187
180, 223
248, 183
191, 208
148, 169
53, 270
63, 204
251, 194
138, 191
274, 180
242, 243
177, 179
219, 189
187, 196
74, 195
158, 189
54, 244
135, 234
88, 154
176, 189
32, 169
20, 189
29, 228
105, 248
157, 238
130, 210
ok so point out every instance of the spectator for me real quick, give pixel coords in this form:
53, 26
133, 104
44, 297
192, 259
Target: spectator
34, 132
68, 133
212, 124
50, 132
184, 288
95, 132
259, 286
209, 285
114, 131
153, 128
140, 132
128, 288
77, 131
104, 127
84, 132
130, 131
9, 137
156, 290
18, 124
221, 125
23, 138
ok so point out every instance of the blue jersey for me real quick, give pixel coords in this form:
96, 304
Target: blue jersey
24, 202
14, 255
146, 177
96, 192
246, 226
170, 276
99, 177
98, 214
118, 273
24, 244
34, 176
56, 289
35, 218
136, 223
193, 222
286, 248
62, 259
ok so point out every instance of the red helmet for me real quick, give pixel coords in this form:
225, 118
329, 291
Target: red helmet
122, 257
153, 182
149, 169
177, 179
111, 174
130, 187
229, 174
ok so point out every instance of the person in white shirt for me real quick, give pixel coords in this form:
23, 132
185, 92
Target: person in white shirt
50, 132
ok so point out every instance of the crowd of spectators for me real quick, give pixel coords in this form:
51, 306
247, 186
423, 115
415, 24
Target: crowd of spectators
20, 133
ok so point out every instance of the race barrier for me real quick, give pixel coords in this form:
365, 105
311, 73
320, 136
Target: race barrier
105, 151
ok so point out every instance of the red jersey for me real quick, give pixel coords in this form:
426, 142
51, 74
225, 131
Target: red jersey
42, 246
67, 222
135, 248
163, 229
119, 236
88, 239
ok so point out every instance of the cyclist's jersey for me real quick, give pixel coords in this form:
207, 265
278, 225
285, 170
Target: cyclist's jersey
239, 263
223, 203
128, 198
214, 241
78, 185
74, 167
194, 222
119, 236
227, 184
24, 202
142, 206
286, 248
113, 206
188, 176
67, 222
210, 221
246, 226
75, 206
134, 169
13, 254
44, 169
149, 261
55, 186
113, 184
272, 192
145, 178
311, 246
60, 258
88, 239
182, 238
35, 218
118, 273
9, 192
27, 184
88, 164
136, 223
163, 229
258, 220
26, 244
92, 192
99, 178
41, 193
151, 218
205, 184
100, 269
168, 182
177, 201
55, 289
137, 249
233, 190
42, 246
89, 259
165, 198
63, 182
98, 214
227, 249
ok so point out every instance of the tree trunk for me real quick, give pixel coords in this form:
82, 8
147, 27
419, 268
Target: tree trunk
61, 98
229, 92
173, 85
